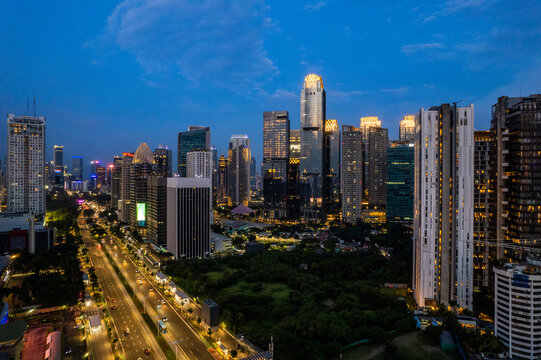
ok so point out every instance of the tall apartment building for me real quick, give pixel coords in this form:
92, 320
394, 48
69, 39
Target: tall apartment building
375, 144
407, 128
515, 200
143, 167
163, 157
400, 170
26, 164
199, 164
116, 180
156, 209
352, 174
221, 191
196, 138
189, 217
125, 203
77, 167
331, 158
275, 163
481, 215
443, 206
311, 171
293, 196
238, 169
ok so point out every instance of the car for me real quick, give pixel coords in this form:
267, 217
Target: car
140, 281
163, 301
148, 351
136, 270
68, 351
164, 319
127, 331
159, 305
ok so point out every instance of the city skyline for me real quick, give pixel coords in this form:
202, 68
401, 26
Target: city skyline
358, 85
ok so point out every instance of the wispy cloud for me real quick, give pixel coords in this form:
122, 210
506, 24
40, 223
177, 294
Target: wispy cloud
453, 6
399, 90
204, 41
339, 95
315, 6
413, 48
284, 94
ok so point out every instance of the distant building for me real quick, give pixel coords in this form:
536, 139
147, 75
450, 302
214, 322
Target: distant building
197, 137
163, 157
238, 168
26, 164
443, 206
116, 181
407, 128
156, 212
199, 164
22, 231
352, 174
331, 158
400, 182
210, 312
77, 167
58, 173
124, 204
375, 143
189, 217
221, 190
293, 196
142, 167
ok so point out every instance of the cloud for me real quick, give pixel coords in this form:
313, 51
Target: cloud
315, 6
454, 6
399, 90
339, 95
213, 41
284, 94
413, 48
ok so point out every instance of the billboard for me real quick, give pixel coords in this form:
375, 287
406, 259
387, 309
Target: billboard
141, 211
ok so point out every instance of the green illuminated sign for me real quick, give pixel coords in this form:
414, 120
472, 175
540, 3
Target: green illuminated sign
141, 211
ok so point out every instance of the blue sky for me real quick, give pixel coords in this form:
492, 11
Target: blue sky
108, 75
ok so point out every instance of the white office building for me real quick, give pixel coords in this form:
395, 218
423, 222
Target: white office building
518, 309
443, 206
26, 164
199, 164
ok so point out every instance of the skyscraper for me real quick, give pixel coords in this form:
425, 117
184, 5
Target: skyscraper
293, 197
481, 215
143, 166
407, 128
223, 198
332, 169
196, 138
238, 169
58, 166
443, 206
77, 167
352, 174
163, 157
400, 179
125, 204
189, 217
26, 164
116, 181
375, 143
156, 209
313, 105
275, 163
199, 164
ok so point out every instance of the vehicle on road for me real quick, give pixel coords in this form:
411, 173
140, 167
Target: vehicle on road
164, 319
140, 281
127, 331
68, 351
148, 351
162, 327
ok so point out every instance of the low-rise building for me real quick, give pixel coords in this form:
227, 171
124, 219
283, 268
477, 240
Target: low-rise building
161, 278
11, 338
210, 313
94, 323
181, 298
54, 346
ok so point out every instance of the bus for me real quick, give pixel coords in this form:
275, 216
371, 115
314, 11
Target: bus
162, 327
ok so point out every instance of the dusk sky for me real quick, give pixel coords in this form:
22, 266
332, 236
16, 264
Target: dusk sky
108, 75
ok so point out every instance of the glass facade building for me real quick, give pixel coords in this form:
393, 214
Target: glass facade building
77, 167
163, 157
332, 169
196, 138
352, 174
238, 169
400, 173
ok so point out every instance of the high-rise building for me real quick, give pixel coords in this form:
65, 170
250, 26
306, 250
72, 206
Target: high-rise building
275, 163
199, 164
100, 176
163, 157
223, 198
400, 182
143, 166
116, 181
375, 144
515, 165
352, 174
125, 203
443, 206
214, 170
77, 167
293, 196
94, 173
196, 138
26, 164
156, 209
311, 177
189, 217
481, 215
517, 308
332, 169
238, 169
58, 166
407, 128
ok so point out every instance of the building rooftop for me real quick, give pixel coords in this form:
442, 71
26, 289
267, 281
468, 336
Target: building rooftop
11, 332
143, 154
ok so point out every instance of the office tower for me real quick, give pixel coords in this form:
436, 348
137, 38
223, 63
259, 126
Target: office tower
59, 157
196, 138
199, 164
143, 166
332, 169
189, 217
517, 308
214, 169
238, 169
275, 163
116, 182
163, 157
400, 182
515, 200
375, 144
352, 174
125, 204
77, 167
253, 175
481, 176
293, 197
222, 187
100, 176
443, 206
26, 164
407, 128
311, 161
94, 173
156, 209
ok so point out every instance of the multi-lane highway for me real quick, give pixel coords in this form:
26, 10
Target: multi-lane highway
132, 343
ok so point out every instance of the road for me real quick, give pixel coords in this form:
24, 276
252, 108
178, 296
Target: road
125, 315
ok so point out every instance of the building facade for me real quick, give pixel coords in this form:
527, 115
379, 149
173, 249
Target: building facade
238, 169
125, 205
331, 158
375, 143
116, 180
352, 174
26, 164
407, 128
199, 164
156, 209
58, 173
196, 138
77, 168
293, 196
400, 171
221, 190
163, 157
443, 206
